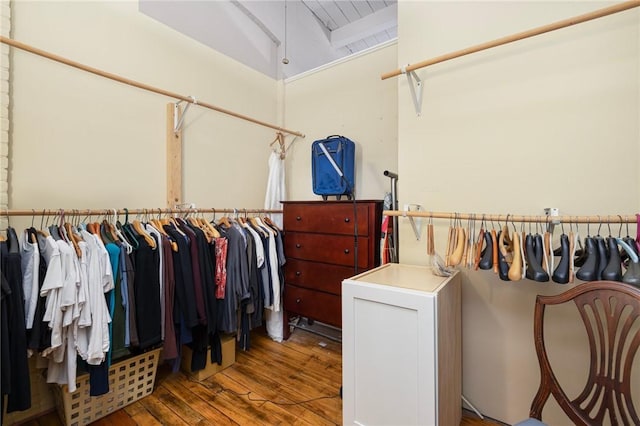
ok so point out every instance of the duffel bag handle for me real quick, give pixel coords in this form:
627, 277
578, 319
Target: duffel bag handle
334, 136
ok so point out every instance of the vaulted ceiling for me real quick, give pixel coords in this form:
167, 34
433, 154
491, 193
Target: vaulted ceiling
280, 38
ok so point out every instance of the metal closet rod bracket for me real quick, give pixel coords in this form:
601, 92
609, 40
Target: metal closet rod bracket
416, 228
415, 86
177, 119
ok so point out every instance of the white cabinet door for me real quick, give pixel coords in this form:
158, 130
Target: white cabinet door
389, 365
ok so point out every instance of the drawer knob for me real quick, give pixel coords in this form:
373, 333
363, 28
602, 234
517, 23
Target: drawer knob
298, 218
346, 219
298, 300
346, 251
298, 245
298, 273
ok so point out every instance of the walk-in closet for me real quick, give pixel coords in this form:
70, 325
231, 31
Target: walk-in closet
320, 212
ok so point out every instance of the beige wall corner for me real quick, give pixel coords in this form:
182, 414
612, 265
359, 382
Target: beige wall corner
550, 121
349, 99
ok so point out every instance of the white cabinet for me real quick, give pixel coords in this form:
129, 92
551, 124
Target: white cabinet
401, 347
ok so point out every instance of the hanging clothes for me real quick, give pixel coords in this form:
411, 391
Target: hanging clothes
147, 287
237, 285
15, 367
30, 261
93, 295
170, 349
276, 189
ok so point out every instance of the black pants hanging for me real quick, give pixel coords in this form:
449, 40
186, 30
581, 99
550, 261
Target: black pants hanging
14, 334
147, 291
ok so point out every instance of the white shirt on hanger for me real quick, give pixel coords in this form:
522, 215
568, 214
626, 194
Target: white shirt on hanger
53, 280
93, 341
30, 258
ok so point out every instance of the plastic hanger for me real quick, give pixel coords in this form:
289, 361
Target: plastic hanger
589, 270
479, 244
637, 233
494, 252
603, 253
515, 271
459, 239
613, 268
572, 267
534, 255
545, 252
522, 254
504, 258
632, 275
561, 273
486, 259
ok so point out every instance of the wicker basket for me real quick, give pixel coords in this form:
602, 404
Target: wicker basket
129, 380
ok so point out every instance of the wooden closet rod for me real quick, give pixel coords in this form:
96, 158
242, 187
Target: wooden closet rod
53, 57
516, 218
100, 212
620, 7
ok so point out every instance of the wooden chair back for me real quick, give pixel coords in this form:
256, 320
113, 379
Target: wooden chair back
611, 315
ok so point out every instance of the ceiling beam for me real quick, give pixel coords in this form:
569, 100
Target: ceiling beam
257, 21
367, 26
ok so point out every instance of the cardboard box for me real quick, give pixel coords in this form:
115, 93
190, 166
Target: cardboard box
228, 344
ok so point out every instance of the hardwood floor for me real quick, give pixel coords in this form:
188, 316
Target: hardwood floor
293, 383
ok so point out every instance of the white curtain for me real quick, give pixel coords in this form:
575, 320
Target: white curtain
276, 192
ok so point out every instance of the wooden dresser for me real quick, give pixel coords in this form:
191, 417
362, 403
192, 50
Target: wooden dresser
319, 245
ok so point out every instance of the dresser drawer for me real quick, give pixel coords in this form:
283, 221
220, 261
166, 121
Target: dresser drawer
329, 218
337, 249
316, 305
319, 276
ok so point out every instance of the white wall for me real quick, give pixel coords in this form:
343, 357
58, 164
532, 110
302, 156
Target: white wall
82, 141
350, 100
545, 122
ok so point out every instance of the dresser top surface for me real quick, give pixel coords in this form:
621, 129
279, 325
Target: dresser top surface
412, 277
319, 202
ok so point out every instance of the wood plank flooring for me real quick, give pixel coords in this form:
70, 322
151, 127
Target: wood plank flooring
292, 383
